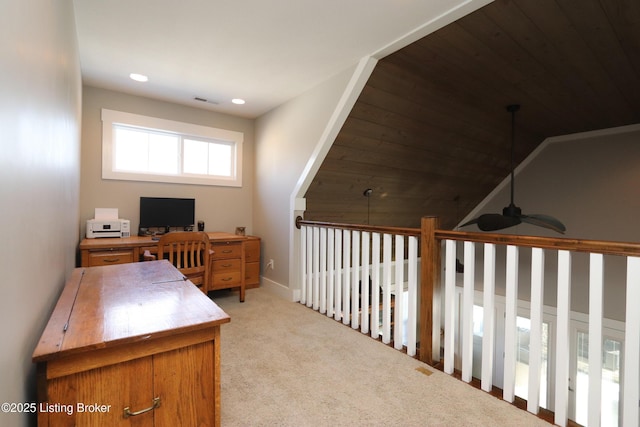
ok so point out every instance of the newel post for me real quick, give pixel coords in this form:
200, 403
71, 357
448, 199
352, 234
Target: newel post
429, 279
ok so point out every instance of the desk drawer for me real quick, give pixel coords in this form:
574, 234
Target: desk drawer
110, 257
226, 280
227, 250
226, 265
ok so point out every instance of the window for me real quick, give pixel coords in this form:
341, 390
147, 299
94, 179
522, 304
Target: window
610, 399
140, 148
523, 325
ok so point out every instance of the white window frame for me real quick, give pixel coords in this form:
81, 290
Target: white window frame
111, 118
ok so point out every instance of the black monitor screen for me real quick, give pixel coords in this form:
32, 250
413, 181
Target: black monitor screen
166, 212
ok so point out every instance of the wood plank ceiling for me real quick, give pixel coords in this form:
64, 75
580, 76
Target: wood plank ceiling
430, 134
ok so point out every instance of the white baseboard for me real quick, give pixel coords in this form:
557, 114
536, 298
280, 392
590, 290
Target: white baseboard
280, 289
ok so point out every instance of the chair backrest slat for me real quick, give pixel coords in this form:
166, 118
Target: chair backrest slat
188, 251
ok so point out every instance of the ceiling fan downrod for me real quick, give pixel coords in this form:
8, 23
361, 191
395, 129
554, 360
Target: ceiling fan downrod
512, 214
513, 108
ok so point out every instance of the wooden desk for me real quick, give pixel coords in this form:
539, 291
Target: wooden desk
235, 263
120, 342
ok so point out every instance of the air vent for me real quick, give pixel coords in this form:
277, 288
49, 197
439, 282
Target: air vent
200, 99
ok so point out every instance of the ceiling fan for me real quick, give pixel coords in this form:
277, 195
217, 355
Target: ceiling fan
512, 215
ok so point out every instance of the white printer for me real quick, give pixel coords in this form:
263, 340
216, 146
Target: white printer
108, 228
107, 224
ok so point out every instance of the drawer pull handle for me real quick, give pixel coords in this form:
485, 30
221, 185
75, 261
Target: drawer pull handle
227, 265
156, 404
111, 260
226, 279
228, 251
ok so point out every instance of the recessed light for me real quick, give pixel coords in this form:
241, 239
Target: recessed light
238, 101
138, 77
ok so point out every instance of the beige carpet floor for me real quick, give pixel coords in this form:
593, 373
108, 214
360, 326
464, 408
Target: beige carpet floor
286, 365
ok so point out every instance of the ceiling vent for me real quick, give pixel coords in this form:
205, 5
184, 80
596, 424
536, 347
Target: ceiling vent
208, 101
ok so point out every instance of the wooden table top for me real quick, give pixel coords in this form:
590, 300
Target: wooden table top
119, 304
113, 242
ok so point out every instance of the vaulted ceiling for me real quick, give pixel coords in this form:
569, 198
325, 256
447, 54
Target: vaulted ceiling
430, 134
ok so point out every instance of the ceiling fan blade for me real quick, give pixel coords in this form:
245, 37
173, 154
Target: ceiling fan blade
493, 222
472, 221
545, 221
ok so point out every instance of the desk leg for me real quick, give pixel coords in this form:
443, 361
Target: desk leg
216, 376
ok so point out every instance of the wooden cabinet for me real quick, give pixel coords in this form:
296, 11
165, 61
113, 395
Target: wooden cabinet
227, 266
121, 350
171, 388
252, 262
234, 264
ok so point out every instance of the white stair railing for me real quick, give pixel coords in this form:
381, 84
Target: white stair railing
349, 275
462, 312
369, 277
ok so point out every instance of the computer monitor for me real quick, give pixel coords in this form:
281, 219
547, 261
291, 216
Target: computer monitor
166, 212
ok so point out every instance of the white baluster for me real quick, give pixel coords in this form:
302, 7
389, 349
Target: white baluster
375, 285
488, 317
467, 310
355, 271
398, 310
310, 266
535, 333
510, 331
346, 252
364, 288
316, 268
331, 253
323, 270
338, 292
562, 339
631, 391
303, 264
596, 280
450, 305
412, 318
386, 289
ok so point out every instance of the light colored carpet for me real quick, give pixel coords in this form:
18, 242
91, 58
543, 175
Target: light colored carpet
286, 365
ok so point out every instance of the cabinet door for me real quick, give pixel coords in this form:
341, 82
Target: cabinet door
185, 381
252, 275
98, 397
252, 250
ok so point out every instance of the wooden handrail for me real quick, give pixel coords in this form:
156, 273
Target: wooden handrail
561, 243
575, 245
360, 227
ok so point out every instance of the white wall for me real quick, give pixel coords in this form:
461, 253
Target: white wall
287, 139
221, 208
586, 180
590, 182
39, 169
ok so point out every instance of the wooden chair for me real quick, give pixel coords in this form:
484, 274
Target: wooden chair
189, 252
